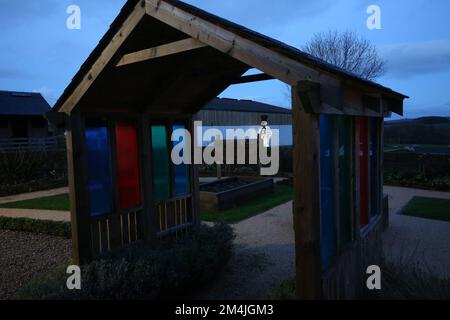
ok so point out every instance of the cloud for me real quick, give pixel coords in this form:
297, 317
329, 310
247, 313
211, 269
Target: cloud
47, 93
13, 12
12, 73
412, 59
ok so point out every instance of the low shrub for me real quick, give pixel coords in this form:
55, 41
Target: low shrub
53, 228
441, 183
285, 290
144, 270
401, 281
405, 282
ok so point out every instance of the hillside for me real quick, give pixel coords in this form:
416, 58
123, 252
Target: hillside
426, 130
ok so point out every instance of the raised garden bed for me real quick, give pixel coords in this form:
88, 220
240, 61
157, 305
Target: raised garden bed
229, 192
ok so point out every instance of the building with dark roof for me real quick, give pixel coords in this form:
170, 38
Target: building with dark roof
22, 115
233, 112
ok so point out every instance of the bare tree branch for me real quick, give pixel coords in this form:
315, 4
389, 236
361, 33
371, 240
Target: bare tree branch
349, 52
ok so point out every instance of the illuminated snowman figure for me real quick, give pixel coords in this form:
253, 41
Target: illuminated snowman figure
265, 133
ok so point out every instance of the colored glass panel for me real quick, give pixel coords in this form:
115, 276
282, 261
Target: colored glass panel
181, 171
128, 166
364, 171
374, 177
99, 169
161, 175
345, 175
328, 225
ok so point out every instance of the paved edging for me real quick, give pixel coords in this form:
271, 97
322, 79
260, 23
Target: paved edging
36, 214
34, 195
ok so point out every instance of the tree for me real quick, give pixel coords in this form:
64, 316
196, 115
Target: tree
349, 52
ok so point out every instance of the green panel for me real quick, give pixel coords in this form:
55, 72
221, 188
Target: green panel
160, 159
345, 160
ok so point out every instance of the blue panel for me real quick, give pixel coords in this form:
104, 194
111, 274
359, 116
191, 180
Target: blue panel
327, 186
181, 171
374, 178
99, 170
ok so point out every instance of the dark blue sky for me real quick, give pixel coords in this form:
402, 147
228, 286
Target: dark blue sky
38, 52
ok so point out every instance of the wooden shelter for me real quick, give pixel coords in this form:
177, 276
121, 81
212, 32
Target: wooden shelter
160, 62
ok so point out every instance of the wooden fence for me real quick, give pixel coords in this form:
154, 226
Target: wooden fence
57, 143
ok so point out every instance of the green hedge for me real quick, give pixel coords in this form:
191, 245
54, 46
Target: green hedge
53, 228
26, 171
144, 270
32, 185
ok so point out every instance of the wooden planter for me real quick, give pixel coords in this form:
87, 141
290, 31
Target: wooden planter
217, 201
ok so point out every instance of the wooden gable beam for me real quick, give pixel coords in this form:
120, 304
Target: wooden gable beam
271, 63
238, 47
122, 34
161, 51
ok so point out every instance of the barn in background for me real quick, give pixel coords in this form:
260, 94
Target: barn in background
22, 115
233, 112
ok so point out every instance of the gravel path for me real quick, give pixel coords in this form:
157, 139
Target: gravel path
415, 242
264, 257
399, 197
25, 255
265, 252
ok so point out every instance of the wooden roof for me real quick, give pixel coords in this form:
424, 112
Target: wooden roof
204, 54
227, 104
14, 103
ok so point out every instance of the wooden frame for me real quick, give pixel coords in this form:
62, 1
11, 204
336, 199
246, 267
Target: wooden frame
120, 37
95, 235
78, 189
306, 206
316, 89
160, 51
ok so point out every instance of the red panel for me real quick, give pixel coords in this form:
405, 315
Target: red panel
128, 166
364, 170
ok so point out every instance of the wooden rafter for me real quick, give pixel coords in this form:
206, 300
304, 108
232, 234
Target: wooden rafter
160, 51
121, 35
238, 47
270, 62
253, 78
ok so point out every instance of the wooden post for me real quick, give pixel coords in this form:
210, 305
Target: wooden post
78, 190
306, 207
356, 181
336, 182
150, 218
111, 125
381, 165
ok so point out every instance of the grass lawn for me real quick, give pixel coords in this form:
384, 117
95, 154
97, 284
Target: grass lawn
281, 194
429, 208
59, 202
